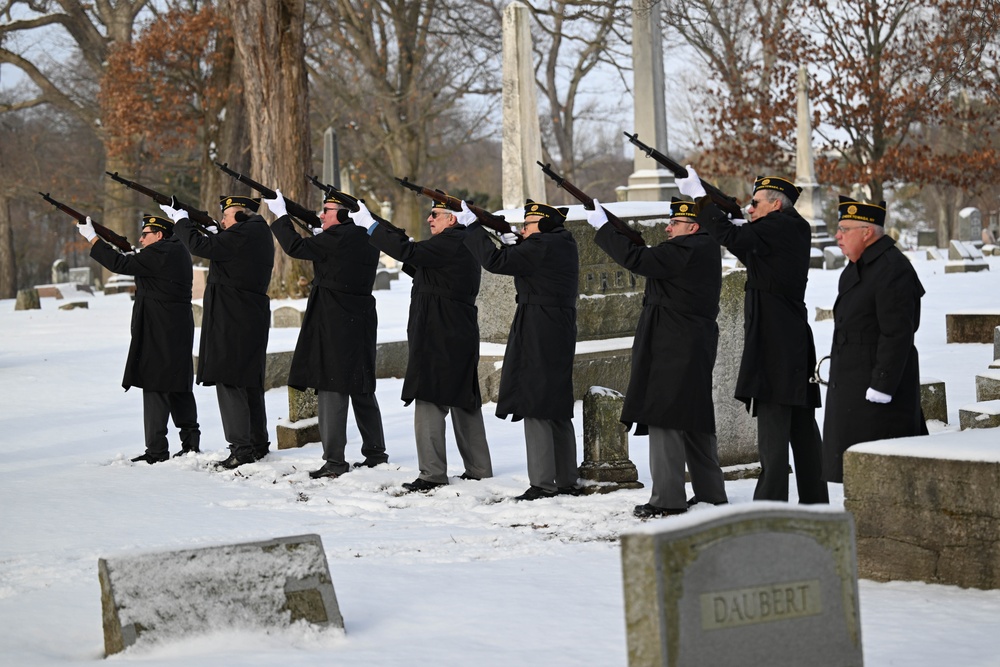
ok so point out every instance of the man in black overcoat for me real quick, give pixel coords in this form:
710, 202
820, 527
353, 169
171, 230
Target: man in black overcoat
159, 358
335, 352
779, 356
874, 385
670, 387
442, 333
536, 382
236, 320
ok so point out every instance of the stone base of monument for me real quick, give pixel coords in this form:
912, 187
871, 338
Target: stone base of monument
302, 425
176, 594
985, 414
934, 399
927, 512
605, 444
27, 299
966, 266
988, 386
977, 327
752, 584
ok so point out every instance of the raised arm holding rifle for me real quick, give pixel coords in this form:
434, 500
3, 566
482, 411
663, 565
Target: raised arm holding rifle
489, 220
300, 214
202, 220
85, 223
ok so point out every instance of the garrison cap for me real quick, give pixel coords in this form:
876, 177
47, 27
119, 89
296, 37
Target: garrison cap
552, 217
874, 214
228, 201
438, 204
683, 208
159, 224
782, 185
331, 198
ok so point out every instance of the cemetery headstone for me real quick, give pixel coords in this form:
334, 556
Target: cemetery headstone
27, 299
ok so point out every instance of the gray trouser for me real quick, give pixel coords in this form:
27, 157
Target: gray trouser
244, 421
333, 427
777, 426
470, 433
157, 406
668, 450
551, 446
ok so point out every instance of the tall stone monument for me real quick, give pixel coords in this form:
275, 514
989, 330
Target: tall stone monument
809, 204
649, 181
522, 143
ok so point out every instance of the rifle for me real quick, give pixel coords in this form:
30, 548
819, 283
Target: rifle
115, 239
349, 200
295, 209
726, 203
201, 219
588, 203
495, 222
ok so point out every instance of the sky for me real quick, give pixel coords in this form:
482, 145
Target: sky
459, 576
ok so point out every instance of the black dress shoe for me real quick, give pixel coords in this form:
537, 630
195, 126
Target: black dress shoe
694, 500
328, 470
469, 478
570, 491
421, 485
232, 462
369, 463
648, 511
258, 455
195, 450
151, 459
536, 492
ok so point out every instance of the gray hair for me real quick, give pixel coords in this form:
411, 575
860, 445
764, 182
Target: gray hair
776, 195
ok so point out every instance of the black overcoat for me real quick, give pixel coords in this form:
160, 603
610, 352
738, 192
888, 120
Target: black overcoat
336, 346
236, 315
676, 338
876, 315
443, 327
779, 356
537, 376
159, 357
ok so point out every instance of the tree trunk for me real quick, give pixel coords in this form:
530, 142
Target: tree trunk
8, 259
269, 41
227, 137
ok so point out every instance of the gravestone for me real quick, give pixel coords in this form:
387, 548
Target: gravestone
256, 585
302, 425
816, 258
761, 584
288, 317
971, 327
605, 443
964, 257
735, 428
934, 399
970, 224
823, 313
833, 258
988, 386
60, 271
927, 238
27, 299
384, 278
984, 414
81, 275
118, 284
73, 305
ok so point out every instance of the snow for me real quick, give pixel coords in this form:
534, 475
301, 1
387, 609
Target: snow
457, 577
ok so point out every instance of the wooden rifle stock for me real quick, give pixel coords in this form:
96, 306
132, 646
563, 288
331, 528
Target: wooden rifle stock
588, 203
719, 198
200, 218
295, 209
349, 200
492, 221
115, 239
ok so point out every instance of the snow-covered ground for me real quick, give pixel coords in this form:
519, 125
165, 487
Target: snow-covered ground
460, 576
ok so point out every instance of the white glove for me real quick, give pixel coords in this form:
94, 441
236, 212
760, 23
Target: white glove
175, 214
362, 217
876, 396
317, 231
690, 186
465, 217
510, 238
212, 228
597, 218
276, 205
738, 221
86, 229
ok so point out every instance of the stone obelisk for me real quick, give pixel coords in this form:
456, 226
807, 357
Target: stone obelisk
809, 204
522, 143
649, 181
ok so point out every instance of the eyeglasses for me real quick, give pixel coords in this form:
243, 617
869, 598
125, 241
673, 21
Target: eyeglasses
143, 234
435, 214
843, 230
754, 203
671, 223
330, 210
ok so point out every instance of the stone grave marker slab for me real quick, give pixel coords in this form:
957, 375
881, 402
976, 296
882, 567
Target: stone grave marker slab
172, 594
757, 584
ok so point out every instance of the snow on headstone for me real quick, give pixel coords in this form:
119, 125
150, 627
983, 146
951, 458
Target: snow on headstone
171, 594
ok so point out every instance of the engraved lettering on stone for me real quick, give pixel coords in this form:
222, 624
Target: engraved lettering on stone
760, 604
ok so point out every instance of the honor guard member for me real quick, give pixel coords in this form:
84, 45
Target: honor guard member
159, 358
536, 382
779, 355
670, 387
442, 370
335, 352
874, 385
235, 320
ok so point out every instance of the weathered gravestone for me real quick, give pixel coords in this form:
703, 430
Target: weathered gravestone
760, 584
605, 443
833, 258
172, 594
60, 271
287, 317
302, 425
27, 299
